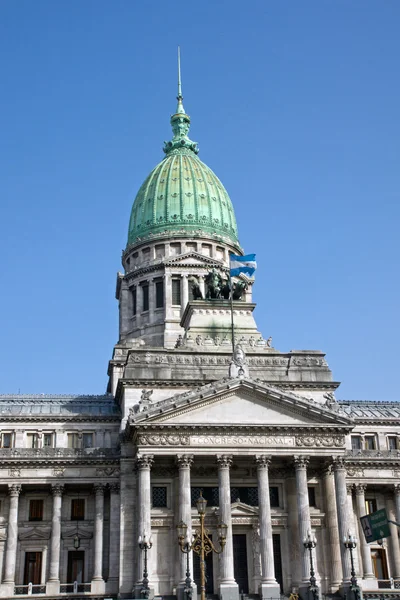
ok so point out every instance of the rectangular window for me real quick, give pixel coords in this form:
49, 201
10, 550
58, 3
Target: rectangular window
6, 440
370, 506
36, 510
32, 440
145, 296
159, 496
47, 440
356, 442
274, 496
73, 440
370, 442
176, 292
87, 440
392, 442
211, 494
77, 509
311, 496
159, 294
134, 301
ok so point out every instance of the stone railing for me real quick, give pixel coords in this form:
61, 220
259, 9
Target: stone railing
29, 590
373, 453
58, 453
75, 588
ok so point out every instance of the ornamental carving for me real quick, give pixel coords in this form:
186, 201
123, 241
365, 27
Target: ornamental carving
263, 461
14, 489
360, 489
144, 461
184, 461
99, 488
336, 441
14, 472
355, 472
301, 462
58, 471
114, 488
224, 461
349, 488
57, 489
107, 471
339, 463
163, 440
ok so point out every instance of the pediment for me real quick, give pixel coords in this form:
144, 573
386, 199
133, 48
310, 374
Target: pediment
190, 258
240, 509
242, 402
83, 533
35, 533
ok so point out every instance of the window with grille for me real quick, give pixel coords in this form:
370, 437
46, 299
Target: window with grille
134, 301
159, 294
145, 296
356, 442
36, 510
77, 509
176, 292
392, 442
6, 440
211, 494
370, 442
274, 496
311, 496
159, 497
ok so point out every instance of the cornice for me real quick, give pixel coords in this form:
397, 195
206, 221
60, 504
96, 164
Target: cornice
29, 418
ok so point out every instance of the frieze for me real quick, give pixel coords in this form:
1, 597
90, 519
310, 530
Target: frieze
167, 522
58, 471
108, 471
337, 441
163, 440
14, 472
354, 471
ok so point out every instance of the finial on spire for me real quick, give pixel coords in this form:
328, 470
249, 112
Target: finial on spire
179, 109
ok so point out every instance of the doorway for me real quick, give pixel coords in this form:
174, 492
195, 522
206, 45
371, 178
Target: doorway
379, 563
33, 568
76, 562
208, 569
240, 562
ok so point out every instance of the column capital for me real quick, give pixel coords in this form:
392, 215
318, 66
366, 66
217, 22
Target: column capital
99, 488
114, 488
144, 461
360, 489
14, 489
301, 462
339, 463
396, 488
349, 488
57, 489
224, 461
263, 461
184, 460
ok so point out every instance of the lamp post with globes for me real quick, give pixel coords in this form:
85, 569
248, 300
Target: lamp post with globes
309, 543
201, 544
145, 545
350, 542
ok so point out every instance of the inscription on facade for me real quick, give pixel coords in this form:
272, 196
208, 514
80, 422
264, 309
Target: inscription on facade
242, 440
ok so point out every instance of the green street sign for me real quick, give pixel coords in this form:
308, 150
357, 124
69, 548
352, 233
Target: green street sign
375, 526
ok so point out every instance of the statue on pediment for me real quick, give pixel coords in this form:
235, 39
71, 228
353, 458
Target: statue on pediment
238, 366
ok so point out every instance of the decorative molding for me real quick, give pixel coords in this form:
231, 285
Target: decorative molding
301, 462
263, 461
14, 489
144, 461
14, 472
325, 440
57, 489
184, 461
224, 461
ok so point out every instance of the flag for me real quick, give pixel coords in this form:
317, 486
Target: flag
242, 264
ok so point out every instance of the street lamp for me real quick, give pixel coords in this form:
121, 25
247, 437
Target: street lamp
145, 545
201, 544
350, 542
309, 543
184, 544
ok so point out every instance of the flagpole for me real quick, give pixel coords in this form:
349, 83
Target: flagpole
232, 324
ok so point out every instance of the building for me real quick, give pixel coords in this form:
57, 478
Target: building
258, 432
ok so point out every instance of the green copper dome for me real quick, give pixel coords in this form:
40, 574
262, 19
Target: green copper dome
182, 194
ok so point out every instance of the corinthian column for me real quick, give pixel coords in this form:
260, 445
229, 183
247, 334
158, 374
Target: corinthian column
336, 574
364, 547
269, 586
97, 581
397, 498
342, 514
228, 587
114, 549
12, 536
184, 462
303, 509
53, 584
144, 463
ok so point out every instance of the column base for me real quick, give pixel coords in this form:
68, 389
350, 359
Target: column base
53, 587
229, 591
7, 589
269, 590
98, 586
305, 593
180, 591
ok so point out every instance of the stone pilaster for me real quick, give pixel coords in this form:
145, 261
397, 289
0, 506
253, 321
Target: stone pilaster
269, 587
228, 587
98, 586
303, 509
342, 514
393, 538
336, 573
12, 538
144, 463
364, 547
53, 584
114, 547
397, 500
184, 463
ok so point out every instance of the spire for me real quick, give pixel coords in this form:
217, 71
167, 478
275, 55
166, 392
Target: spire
180, 123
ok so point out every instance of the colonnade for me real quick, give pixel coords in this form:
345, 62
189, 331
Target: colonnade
53, 582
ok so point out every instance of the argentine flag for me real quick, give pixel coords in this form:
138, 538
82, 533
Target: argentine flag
242, 264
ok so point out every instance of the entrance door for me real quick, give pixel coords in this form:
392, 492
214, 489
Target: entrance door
76, 561
276, 544
209, 572
379, 563
240, 563
33, 568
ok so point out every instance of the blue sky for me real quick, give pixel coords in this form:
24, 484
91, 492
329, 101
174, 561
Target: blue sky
295, 106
